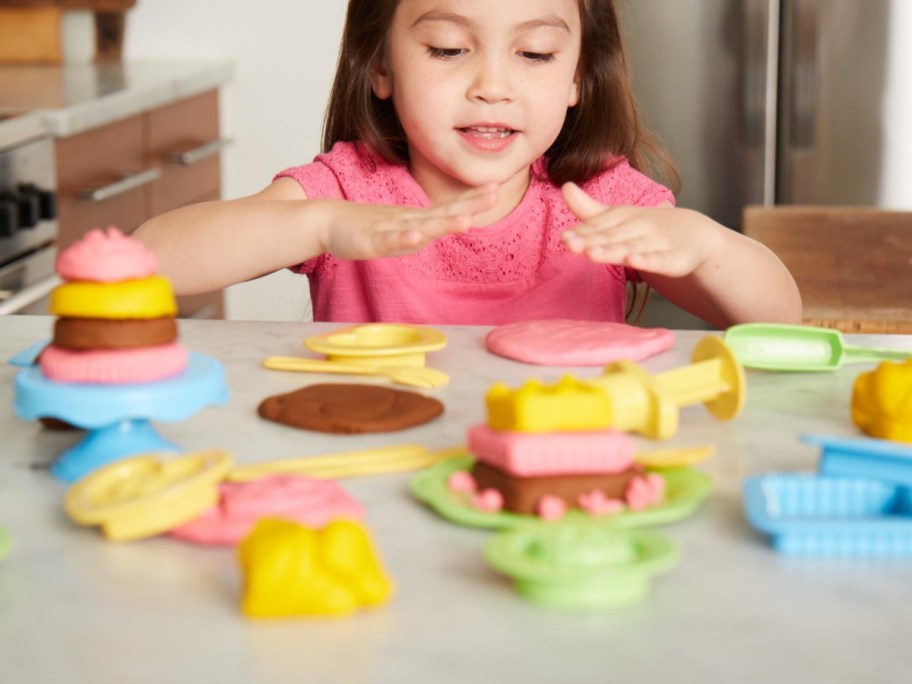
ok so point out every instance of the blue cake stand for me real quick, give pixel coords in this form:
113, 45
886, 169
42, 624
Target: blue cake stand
118, 416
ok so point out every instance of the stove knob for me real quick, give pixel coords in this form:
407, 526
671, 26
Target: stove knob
9, 218
47, 200
28, 206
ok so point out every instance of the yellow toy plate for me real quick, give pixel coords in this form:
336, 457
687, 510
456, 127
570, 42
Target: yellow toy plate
387, 344
145, 495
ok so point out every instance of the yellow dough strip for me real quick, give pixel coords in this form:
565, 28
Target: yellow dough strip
391, 459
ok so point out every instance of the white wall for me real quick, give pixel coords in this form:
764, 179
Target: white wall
285, 52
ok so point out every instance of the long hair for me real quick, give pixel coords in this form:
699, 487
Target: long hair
601, 129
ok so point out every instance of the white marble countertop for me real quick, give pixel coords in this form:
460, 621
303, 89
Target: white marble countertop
74, 608
73, 98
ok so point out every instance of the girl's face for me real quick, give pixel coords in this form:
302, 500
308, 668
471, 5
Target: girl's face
481, 87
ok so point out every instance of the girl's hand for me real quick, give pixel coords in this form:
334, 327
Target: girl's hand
662, 240
367, 231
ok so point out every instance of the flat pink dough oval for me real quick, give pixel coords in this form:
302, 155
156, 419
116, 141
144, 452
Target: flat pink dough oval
106, 257
308, 501
113, 366
559, 342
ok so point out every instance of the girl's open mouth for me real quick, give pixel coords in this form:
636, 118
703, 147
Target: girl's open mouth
488, 132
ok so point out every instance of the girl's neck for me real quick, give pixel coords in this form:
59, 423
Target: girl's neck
509, 195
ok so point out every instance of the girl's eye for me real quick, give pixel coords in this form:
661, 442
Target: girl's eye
537, 56
445, 53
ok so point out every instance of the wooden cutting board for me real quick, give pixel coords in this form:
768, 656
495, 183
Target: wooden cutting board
853, 265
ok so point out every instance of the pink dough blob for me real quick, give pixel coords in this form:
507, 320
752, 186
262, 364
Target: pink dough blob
597, 503
559, 342
309, 501
488, 500
461, 481
645, 491
551, 508
106, 257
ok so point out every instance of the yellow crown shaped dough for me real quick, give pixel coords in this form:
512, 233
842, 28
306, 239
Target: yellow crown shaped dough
567, 405
150, 297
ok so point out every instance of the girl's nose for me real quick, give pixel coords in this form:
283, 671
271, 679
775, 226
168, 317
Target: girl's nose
491, 83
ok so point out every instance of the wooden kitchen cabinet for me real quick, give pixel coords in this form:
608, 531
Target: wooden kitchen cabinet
128, 171
95, 160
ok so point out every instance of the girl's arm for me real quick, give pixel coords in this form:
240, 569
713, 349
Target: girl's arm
715, 273
208, 246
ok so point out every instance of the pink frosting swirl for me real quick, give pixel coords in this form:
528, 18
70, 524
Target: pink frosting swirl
308, 501
106, 257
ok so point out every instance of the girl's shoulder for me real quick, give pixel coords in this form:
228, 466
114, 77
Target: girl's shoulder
621, 184
351, 171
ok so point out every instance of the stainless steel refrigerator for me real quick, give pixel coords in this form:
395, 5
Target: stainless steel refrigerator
764, 101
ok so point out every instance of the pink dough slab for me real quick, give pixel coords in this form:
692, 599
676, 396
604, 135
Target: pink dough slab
560, 342
527, 454
308, 501
106, 257
113, 366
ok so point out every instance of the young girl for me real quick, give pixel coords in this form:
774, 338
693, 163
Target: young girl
481, 165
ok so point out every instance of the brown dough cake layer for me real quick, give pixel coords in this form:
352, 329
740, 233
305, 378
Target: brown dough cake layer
522, 494
100, 333
350, 408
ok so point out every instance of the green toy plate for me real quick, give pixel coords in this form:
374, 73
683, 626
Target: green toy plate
580, 564
685, 490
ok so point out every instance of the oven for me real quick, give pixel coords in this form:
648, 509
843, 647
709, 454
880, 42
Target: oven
28, 215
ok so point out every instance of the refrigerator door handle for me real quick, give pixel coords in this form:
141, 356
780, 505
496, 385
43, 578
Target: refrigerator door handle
759, 88
803, 96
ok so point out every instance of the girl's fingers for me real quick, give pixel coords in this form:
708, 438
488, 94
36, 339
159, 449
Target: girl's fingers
580, 203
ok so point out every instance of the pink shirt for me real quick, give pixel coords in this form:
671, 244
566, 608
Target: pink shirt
514, 270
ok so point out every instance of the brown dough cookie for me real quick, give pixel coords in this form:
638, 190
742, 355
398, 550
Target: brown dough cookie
99, 333
349, 409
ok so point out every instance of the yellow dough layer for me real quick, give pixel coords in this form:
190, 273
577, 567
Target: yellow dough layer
141, 298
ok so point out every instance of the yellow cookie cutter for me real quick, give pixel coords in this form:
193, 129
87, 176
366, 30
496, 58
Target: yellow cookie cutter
150, 297
378, 344
146, 495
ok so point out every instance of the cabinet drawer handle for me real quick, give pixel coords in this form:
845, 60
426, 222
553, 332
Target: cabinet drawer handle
20, 300
130, 181
191, 157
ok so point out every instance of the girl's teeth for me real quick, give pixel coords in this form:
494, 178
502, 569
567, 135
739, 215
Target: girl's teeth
490, 132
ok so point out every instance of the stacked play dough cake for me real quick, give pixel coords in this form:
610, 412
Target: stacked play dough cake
116, 320
548, 449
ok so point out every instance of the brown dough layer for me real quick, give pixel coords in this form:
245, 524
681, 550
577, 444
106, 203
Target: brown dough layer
99, 333
522, 494
350, 409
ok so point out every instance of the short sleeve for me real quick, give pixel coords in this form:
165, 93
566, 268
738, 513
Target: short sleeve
316, 179
621, 184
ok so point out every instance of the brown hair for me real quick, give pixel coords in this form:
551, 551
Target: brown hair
585, 144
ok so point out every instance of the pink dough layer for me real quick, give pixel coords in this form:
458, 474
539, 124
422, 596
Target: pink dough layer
527, 454
106, 257
304, 500
113, 366
561, 342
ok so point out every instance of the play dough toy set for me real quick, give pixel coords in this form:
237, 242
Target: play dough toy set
553, 470
114, 362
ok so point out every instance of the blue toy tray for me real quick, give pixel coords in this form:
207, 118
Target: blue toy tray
878, 459
816, 515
